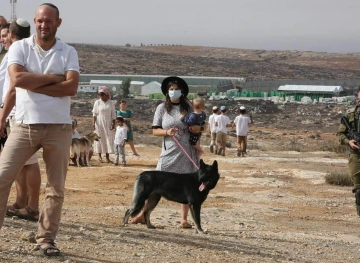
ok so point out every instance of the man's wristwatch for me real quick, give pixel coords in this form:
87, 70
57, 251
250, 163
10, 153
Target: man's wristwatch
1, 105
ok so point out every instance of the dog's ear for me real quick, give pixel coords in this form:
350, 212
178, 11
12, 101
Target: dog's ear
215, 165
202, 162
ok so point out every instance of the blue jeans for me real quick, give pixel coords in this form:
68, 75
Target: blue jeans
118, 149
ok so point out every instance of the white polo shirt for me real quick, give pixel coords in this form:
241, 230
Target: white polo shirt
40, 108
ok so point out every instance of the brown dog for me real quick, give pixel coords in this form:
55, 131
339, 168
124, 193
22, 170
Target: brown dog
82, 147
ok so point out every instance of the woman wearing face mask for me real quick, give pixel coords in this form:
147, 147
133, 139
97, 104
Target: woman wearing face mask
166, 124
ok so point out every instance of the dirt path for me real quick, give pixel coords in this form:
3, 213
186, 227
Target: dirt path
267, 207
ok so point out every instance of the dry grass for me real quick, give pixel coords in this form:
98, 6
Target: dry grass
339, 178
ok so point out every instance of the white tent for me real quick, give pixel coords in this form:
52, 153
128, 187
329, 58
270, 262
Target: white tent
310, 88
150, 88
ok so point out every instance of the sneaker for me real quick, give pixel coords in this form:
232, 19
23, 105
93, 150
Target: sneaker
212, 148
220, 150
124, 164
238, 153
116, 164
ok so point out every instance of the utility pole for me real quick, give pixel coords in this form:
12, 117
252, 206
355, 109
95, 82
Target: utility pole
13, 10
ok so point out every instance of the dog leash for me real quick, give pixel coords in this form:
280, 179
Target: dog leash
182, 148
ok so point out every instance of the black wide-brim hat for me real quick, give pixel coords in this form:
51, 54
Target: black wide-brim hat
180, 82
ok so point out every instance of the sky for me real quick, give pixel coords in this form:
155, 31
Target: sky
305, 25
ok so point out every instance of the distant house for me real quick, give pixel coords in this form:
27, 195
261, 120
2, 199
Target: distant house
87, 88
135, 86
150, 88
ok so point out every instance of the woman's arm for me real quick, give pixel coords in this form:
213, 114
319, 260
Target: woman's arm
163, 132
94, 122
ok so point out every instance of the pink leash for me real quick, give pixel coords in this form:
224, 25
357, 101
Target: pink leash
188, 156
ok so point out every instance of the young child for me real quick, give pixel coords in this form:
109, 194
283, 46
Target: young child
222, 122
242, 126
75, 133
120, 139
195, 120
212, 129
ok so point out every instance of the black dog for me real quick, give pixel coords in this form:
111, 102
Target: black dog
192, 189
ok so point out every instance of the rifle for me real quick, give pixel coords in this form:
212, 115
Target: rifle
354, 135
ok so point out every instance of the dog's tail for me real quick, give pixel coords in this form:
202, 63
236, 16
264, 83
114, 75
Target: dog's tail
139, 198
72, 149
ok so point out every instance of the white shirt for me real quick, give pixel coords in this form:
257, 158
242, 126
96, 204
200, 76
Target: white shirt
222, 121
6, 87
242, 125
40, 108
212, 126
3, 67
120, 135
75, 134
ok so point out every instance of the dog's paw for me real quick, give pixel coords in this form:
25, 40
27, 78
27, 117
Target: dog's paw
201, 231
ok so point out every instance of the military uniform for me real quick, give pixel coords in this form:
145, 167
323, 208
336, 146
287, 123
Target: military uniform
353, 117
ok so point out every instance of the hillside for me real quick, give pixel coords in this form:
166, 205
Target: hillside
208, 61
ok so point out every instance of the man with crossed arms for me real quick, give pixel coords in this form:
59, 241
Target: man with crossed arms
45, 72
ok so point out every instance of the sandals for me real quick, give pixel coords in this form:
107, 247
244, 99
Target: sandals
10, 209
50, 250
25, 213
185, 225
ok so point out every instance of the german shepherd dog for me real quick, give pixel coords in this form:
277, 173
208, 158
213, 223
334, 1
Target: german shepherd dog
81, 147
192, 189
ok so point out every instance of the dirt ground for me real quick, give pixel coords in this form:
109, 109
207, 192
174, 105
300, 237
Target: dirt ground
267, 207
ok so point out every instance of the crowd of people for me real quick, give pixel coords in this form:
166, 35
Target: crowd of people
36, 107
38, 75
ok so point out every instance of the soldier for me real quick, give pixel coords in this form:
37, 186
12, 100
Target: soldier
353, 117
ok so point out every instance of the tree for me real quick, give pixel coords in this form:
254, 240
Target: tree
125, 88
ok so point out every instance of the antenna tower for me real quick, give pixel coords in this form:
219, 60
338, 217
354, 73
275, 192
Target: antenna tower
13, 10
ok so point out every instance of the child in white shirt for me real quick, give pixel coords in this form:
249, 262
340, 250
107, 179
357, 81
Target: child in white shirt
120, 139
242, 126
222, 122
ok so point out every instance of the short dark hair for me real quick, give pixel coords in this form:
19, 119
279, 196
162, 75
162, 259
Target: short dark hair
123, 101
7, 25
19, 31
53, 6
120, 119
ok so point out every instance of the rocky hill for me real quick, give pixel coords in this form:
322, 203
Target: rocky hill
208, 61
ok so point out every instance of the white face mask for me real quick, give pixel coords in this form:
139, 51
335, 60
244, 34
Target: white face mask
175, 94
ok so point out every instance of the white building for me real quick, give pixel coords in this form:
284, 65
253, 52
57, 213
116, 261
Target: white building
311, 89
150, 88
87, 88
135, 86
